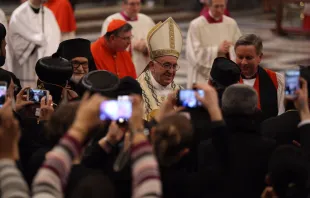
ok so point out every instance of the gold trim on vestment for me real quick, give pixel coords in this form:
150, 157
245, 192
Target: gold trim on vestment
165, 52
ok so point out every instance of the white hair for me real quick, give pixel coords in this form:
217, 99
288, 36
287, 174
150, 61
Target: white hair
239, 99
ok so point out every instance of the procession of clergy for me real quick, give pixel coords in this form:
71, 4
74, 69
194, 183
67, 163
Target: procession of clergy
132, 45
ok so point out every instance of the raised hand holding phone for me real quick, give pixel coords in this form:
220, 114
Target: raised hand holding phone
21, 99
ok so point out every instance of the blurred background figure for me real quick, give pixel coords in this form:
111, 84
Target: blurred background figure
306, 22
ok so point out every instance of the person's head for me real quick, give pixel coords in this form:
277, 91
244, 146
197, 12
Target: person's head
53, 75
132, 7
249, 54
217, 7
78, 52
94, 186
288, 172
128, 86
2, 44
164, 69
224, 73
239, 99
118, 35
60, 121
171, 139
37, 2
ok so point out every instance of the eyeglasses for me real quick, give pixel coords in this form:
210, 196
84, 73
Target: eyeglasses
76, 64
168, 66
126, 38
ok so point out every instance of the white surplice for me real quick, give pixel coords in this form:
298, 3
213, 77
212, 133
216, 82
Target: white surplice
3, 19
203, 42
140, 29
27, 42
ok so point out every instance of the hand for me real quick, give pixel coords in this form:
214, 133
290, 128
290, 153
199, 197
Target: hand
87, 117
210, 101
224, 47
115, 134
140, 45
21, 100
46, 108
9, 133
269, 193
301, 102
167, 108
136, 120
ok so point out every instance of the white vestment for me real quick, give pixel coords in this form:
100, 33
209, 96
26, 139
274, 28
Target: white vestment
140, 29
4, 21
27, 42
153, 93
203, 42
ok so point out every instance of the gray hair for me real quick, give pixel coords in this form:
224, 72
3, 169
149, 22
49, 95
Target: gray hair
209, 2
251, 39
239, 99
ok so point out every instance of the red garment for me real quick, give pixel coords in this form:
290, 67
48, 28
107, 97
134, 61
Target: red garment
64, 14
206, 10
119, 64
116, 24
273, 77
306, 24
128, 18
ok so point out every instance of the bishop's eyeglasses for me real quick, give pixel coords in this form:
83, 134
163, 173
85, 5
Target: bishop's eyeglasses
168, 65
76, 64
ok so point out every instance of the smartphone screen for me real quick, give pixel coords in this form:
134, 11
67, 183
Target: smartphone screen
36, 95
116, 110
3, 90
188, 99
291, 82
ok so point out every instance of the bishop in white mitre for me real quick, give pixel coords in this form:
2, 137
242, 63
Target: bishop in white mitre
210, 36
141, 24
33, 33
157, 81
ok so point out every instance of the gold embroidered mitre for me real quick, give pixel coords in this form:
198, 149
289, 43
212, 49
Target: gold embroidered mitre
165, 39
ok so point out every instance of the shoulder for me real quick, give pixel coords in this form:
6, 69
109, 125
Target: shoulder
114, 16
48, 11
20, 10
197, 21
1, 12
145, 17
229, 20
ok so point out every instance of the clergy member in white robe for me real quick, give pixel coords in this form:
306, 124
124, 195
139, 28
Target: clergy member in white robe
157, 81
4, 21
28, 40
141, 24
210, 36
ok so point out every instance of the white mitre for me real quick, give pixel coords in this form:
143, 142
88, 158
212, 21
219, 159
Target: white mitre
165, 39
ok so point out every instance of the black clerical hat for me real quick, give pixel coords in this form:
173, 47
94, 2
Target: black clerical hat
100, 81
53, 70
225, 71
73, 48
2, 32
129, 85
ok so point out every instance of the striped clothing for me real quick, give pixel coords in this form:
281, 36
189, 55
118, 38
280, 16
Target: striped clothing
12, 183
52, 176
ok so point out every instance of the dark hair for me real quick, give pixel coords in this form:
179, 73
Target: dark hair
125, 28
61, 121
251, 39
172, 134
288, 172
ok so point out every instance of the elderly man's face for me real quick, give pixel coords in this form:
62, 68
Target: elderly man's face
80, 67
121, 41
132, 7
163, 69
248, 59
217, 8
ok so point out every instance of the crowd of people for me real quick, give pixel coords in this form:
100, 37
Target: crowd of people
111, 121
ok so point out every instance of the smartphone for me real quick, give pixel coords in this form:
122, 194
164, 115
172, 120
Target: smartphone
291, 83
3, 90
36, 95
116, 110
187, 98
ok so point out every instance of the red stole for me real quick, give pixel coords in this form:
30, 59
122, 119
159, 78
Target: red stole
256, 86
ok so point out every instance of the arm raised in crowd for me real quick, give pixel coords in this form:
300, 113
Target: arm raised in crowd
145, 172
52, 176
12, 183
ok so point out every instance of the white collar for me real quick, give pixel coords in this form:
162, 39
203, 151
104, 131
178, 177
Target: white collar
217, 19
